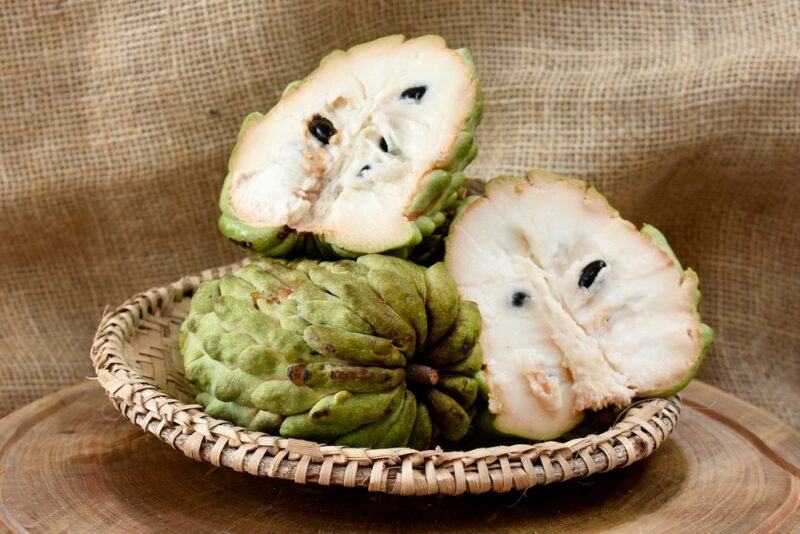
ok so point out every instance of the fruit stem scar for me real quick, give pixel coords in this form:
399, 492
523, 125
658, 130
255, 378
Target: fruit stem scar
422, 374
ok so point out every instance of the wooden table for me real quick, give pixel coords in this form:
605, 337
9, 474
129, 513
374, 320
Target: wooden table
68, 462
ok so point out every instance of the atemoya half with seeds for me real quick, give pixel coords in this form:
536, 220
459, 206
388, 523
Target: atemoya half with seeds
580, 309
365, 155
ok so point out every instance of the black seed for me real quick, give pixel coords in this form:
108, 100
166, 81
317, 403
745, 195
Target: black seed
322, 129
383, 145
589, 273
414, 93
364, 169
519, 298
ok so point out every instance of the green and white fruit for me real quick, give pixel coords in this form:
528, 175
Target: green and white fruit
580, 309
377, 352
364, 155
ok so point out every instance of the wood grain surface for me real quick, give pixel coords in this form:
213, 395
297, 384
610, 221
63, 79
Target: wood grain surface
68, 462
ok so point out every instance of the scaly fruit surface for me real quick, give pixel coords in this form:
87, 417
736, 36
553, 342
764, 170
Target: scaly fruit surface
364, 155
581, 310
377, 352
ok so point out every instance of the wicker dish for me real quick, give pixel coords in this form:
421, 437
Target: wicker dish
136, 358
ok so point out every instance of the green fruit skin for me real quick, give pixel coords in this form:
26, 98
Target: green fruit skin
317, 350
449, 415
342, 412
239, 415
460, 339
422, 431
394, 430
426, 211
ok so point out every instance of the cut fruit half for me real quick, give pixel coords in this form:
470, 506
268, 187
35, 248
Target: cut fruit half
580, 309
362, 156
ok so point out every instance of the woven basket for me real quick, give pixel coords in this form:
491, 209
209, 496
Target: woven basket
136, 357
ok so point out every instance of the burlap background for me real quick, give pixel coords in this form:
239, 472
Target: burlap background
116, 120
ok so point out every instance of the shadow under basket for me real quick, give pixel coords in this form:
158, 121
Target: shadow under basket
137, 361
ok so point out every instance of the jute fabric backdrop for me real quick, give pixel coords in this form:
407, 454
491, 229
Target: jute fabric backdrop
116, 120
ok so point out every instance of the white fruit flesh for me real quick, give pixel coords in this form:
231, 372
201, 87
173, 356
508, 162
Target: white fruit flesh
283, 175
634, 331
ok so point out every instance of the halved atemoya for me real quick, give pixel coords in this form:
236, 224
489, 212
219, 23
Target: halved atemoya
580, 309
364, 155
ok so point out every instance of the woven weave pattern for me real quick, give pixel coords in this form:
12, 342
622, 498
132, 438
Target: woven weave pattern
138, 363
118, 118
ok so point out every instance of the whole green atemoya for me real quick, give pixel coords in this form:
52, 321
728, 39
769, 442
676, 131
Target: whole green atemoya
364, 155
377, 352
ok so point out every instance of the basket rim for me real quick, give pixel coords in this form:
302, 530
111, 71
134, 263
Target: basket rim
405, 471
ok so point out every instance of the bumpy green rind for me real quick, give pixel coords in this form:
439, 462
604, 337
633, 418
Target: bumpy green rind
431, 208
317, 350
432, 247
